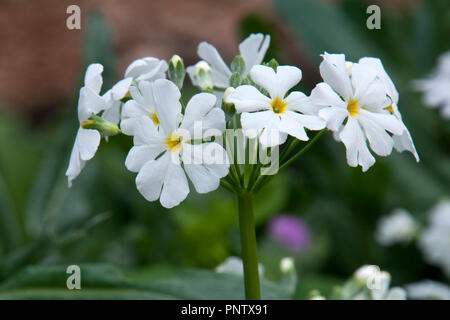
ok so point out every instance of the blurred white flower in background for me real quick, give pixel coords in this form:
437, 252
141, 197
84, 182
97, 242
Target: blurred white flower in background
435, 239
372, 284
436, 88
234, 266
398, 227
428, 289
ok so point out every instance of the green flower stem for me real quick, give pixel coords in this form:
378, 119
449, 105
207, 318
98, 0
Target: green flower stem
263, 179
227, 186
304, 149
248, 246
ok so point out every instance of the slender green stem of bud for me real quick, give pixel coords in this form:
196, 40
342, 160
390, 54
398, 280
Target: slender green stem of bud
262, 180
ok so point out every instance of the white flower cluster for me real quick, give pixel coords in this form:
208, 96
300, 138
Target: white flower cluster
436, 87
435, 239
375, 283
398, 227
173, 142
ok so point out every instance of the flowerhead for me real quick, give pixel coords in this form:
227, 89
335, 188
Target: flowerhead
276, 115
163, 155
358, 103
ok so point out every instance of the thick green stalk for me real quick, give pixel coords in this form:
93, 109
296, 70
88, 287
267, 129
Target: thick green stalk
248, 246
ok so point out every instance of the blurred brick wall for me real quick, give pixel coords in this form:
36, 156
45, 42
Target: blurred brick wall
40, 57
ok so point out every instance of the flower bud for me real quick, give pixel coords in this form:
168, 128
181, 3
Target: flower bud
177, 72
238, 64
203, 76
103, 126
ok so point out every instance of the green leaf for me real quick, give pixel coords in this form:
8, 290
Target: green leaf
107, 282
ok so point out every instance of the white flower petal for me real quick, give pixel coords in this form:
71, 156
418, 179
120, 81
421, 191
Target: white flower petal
370, 90
247, 99
88, 141
205, 165
88, 103
75, 165
150, 178
120, 89
140, 155
404, 142
310, 122
387, 121
279, 83
93, 77
175, 188
147, 68
324, 96
131, 113
355, 144
253, 122
377, 66
271, 135
112, 112
334, 72
220, 72
168, 106
298, 101
202, 108
380, 142
146, 133
253, 49
334, 116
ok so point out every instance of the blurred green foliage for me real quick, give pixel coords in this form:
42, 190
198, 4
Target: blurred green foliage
102, 220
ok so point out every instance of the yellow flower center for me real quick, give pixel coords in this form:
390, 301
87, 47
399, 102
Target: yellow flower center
352, 107
278, 105
127, 95
173, 142
154, 118
390, 109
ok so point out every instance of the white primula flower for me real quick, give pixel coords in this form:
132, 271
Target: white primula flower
356, 106
252, 50
141, 105
277, 116
87, 140
398, 227
436, 87
137, 85
428, 289
164, 155
435, 240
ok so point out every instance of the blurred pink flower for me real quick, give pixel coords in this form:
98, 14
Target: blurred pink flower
290, 231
